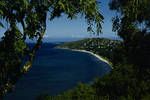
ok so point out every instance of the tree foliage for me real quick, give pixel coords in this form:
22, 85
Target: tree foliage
15, 55
133, 24
130, 78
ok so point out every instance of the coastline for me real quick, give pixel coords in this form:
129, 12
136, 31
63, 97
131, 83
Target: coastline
91, 53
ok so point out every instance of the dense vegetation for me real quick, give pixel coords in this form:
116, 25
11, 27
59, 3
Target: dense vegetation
27, 19
101, 46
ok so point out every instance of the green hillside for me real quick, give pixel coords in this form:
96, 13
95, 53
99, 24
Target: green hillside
101, 46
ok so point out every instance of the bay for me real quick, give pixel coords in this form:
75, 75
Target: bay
57, 70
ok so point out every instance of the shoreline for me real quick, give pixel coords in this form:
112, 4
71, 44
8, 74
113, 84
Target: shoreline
91, 53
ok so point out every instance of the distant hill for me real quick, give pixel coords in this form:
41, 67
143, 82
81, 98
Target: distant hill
100, 46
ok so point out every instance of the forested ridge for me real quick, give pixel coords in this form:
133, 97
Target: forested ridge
101, 46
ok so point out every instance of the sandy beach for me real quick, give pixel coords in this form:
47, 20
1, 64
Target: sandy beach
93, 54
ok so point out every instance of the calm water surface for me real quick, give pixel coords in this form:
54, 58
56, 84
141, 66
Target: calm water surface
57, 70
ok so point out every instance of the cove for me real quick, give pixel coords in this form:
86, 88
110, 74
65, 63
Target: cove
55, 71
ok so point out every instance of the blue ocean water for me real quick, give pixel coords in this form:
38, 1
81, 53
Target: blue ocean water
56, 70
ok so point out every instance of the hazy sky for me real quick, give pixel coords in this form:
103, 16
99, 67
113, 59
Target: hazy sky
63, 27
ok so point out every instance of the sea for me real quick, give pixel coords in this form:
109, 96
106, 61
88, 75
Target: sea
57, 70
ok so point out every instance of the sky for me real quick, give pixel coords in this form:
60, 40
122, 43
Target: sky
63, 27
77, 28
